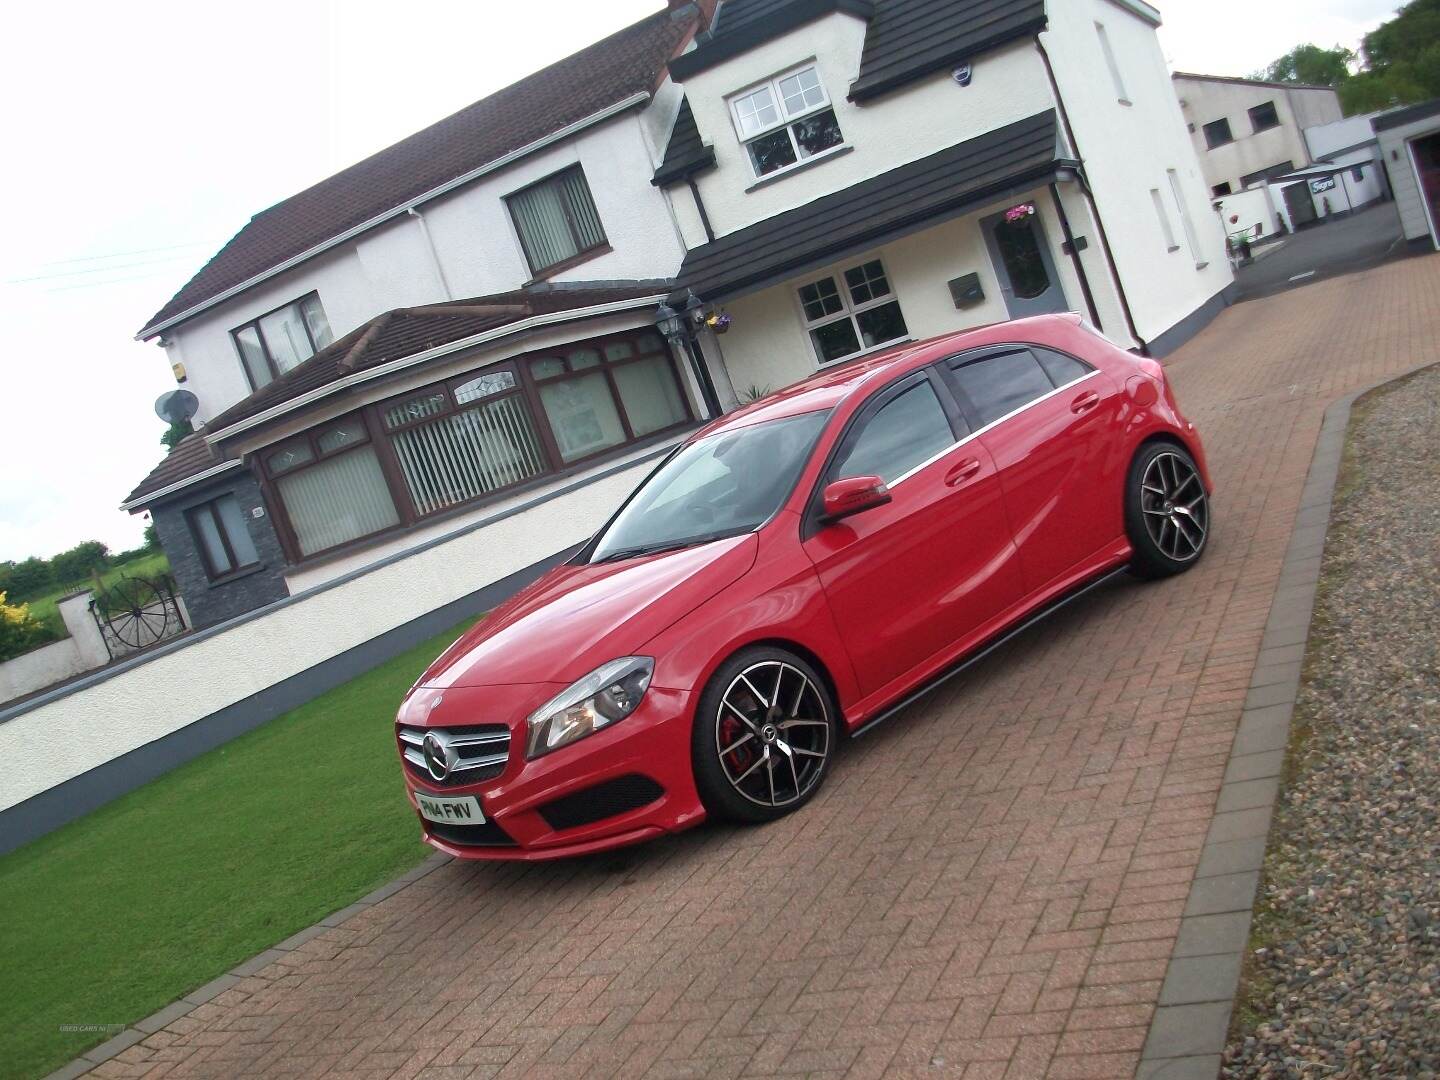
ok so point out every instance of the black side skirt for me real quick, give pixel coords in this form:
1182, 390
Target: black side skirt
985, 650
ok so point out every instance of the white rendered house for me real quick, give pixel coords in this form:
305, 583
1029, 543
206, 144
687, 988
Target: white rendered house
521, 305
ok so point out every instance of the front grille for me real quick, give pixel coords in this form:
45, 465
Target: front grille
486, 835
613, 797
475, 753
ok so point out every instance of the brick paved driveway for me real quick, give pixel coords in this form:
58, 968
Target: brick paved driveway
989, 886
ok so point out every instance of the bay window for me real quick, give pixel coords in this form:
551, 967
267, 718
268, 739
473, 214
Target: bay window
786, 121
852, 312
274, 343
472, 437
332, 486
557, 220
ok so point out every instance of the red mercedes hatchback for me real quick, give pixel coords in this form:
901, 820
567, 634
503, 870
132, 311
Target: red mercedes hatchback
794, 573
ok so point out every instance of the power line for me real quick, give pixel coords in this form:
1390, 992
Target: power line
120, 254
113, 281
97, 269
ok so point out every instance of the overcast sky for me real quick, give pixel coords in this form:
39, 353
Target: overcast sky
140, 136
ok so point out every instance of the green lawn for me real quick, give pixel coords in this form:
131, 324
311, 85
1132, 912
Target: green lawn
43, 606
118, 914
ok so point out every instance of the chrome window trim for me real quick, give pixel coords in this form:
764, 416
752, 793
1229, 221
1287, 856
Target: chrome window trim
989, 427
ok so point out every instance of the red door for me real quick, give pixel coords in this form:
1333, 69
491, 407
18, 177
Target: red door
1052, 429
907, 579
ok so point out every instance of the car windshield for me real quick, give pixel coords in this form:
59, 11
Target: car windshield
724, 485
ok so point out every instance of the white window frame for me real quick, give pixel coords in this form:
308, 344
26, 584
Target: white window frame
785, 119
848, 309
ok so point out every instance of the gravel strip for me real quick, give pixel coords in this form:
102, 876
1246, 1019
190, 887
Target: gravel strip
1343, 979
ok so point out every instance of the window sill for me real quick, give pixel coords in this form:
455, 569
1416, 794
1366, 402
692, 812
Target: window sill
226, 579
800, 166
570, 263
863, 353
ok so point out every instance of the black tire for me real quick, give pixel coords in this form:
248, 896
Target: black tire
1167, 511
776, 755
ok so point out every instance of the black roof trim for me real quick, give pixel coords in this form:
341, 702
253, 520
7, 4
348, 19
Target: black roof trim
685, 153
769, 19
943, 185
909, 39
1407, 115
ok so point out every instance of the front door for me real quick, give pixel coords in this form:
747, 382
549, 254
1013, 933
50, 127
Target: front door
1021, 256
1300, 205
908, 579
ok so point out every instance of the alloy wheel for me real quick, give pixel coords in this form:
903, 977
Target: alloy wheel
772, 733
1177, 514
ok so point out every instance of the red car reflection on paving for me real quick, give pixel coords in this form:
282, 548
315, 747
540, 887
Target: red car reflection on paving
793, 573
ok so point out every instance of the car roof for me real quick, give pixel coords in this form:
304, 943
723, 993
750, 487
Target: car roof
832, 387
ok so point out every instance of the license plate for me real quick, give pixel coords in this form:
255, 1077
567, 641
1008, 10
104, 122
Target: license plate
460, 809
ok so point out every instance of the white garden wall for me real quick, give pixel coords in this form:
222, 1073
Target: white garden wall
64, 738
83, 650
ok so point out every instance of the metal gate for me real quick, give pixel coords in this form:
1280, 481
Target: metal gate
134, 613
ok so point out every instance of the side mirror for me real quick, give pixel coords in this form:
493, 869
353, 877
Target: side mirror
853, 495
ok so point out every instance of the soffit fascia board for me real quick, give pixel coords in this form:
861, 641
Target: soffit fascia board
391, 367
559, 135
1140, 10
170, 489
714, 51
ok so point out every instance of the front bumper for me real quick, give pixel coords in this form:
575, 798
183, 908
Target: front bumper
625, 784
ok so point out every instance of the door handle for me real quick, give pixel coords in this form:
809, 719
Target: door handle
958, 474
1085, 402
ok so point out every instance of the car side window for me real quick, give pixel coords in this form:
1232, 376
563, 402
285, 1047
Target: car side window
998, 385
907, 430
1062, 369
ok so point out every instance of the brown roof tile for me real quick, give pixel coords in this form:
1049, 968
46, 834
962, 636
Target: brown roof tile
191, 456
407, 331
625, 63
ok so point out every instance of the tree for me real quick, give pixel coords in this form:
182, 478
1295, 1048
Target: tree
152, 538
73, 566
1311, 65
175, 432
1398, 61
31, 576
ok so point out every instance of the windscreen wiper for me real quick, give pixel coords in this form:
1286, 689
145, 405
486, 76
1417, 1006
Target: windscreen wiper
668, 545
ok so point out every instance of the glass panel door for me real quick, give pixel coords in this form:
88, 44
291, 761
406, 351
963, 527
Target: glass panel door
1021, 256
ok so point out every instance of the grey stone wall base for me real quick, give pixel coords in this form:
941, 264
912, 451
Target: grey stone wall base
143, 1029
1165, 344
1187, 1034
47, 811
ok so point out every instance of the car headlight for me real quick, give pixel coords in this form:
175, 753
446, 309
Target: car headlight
609, 693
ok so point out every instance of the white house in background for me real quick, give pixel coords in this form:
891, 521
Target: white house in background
483, 318
1246, 131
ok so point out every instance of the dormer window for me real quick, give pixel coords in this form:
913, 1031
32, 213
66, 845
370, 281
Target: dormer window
786, 121
274, 343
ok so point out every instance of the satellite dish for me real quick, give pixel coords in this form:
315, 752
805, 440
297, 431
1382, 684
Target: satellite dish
176, 406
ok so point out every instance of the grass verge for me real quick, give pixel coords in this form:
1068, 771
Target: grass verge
123, 911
